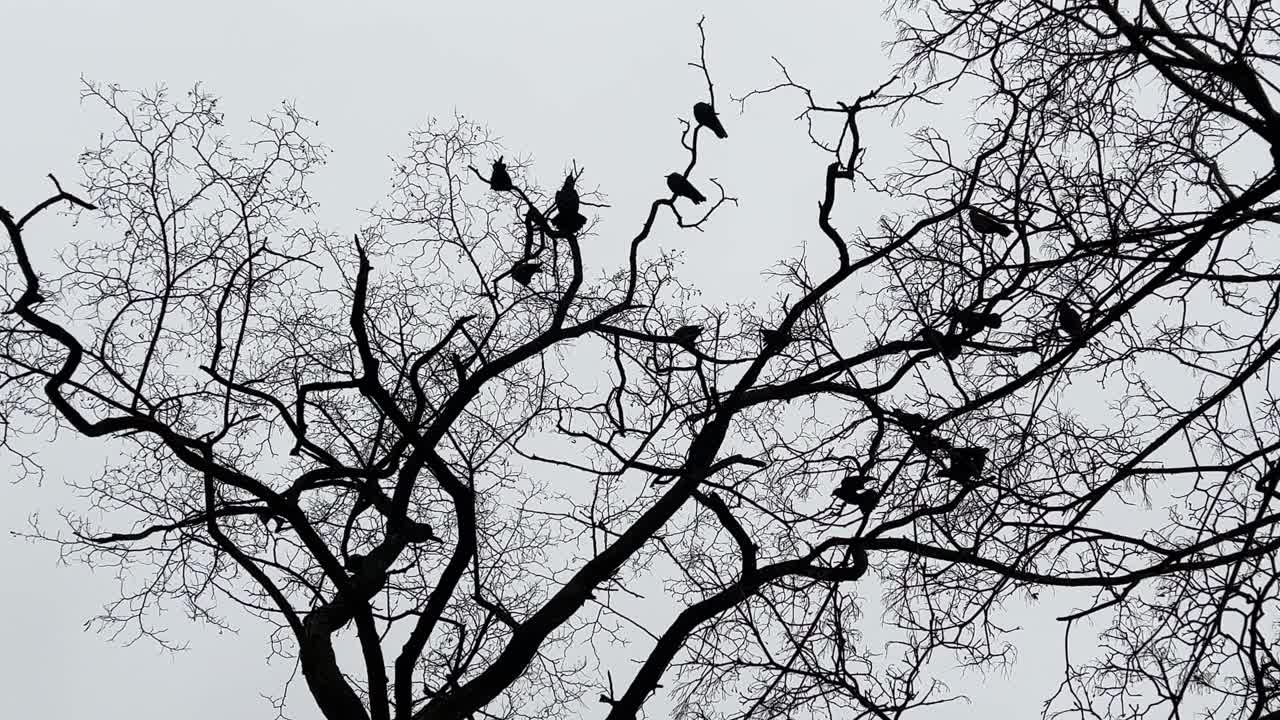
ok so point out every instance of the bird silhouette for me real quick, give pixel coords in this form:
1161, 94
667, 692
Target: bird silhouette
706, 117
949, 346
1069, 320
972, 320
853, 490
774, 337
986, 225
914, 422
681, 186
499, 180
966, 464
523, 271
567, 197
569, 223
686, 334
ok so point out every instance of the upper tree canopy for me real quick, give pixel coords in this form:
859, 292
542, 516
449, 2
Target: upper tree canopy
447, 439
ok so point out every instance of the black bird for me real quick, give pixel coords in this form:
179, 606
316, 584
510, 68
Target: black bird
928, 443
948, 345
416, 532
1069, 320
986, 225
686, 334
774, 337
966, 464
972, 320
853, 491
534, 218
567, 197
570, 223
706, 117
681, 186
911, 421
499, 180
523, 271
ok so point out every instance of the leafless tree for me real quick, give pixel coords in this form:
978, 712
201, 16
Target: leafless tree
1048, 368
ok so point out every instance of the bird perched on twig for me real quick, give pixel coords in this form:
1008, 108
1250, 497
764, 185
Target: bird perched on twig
499, 180
568, 219
686, 334
523, 271
853, 491
949, 346
914, 422
1069, 320
966, 464
681, 186
706, 117
984, 224
773, 337
972, 320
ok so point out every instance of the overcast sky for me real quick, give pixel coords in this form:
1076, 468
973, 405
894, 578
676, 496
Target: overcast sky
599, 83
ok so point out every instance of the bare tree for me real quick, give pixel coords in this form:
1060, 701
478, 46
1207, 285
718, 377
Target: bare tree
409, 436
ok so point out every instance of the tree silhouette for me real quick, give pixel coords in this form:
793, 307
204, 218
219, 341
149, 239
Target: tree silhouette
372, 437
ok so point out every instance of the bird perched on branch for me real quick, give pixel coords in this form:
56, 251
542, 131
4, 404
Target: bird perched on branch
681, 186
853, 491
914, 422
499, 180
984, 224
568, 219
523, 271
706, 117
686, 334
773, 337
966, 464
949, 346
972, 320
1069, 320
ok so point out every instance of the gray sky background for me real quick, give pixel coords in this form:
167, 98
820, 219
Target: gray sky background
602, 83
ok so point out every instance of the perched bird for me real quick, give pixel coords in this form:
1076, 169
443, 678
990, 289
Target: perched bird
570, 223
686, 334
706, 117
853, 490
928, 443
416, 532
914, 422
567, 197
985, 224
681, 186
972, 320
949, 346
1069, 320
965, 464
523, 271
774, 337
534, 217
499, 180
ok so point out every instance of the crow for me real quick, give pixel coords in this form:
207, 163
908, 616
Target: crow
567, 197
523, 271
681, 186
986, 225
948, 345
972, 320
853, 490
966, 464
686, 334
499, 180
774, 337
1069, 320
706, 117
